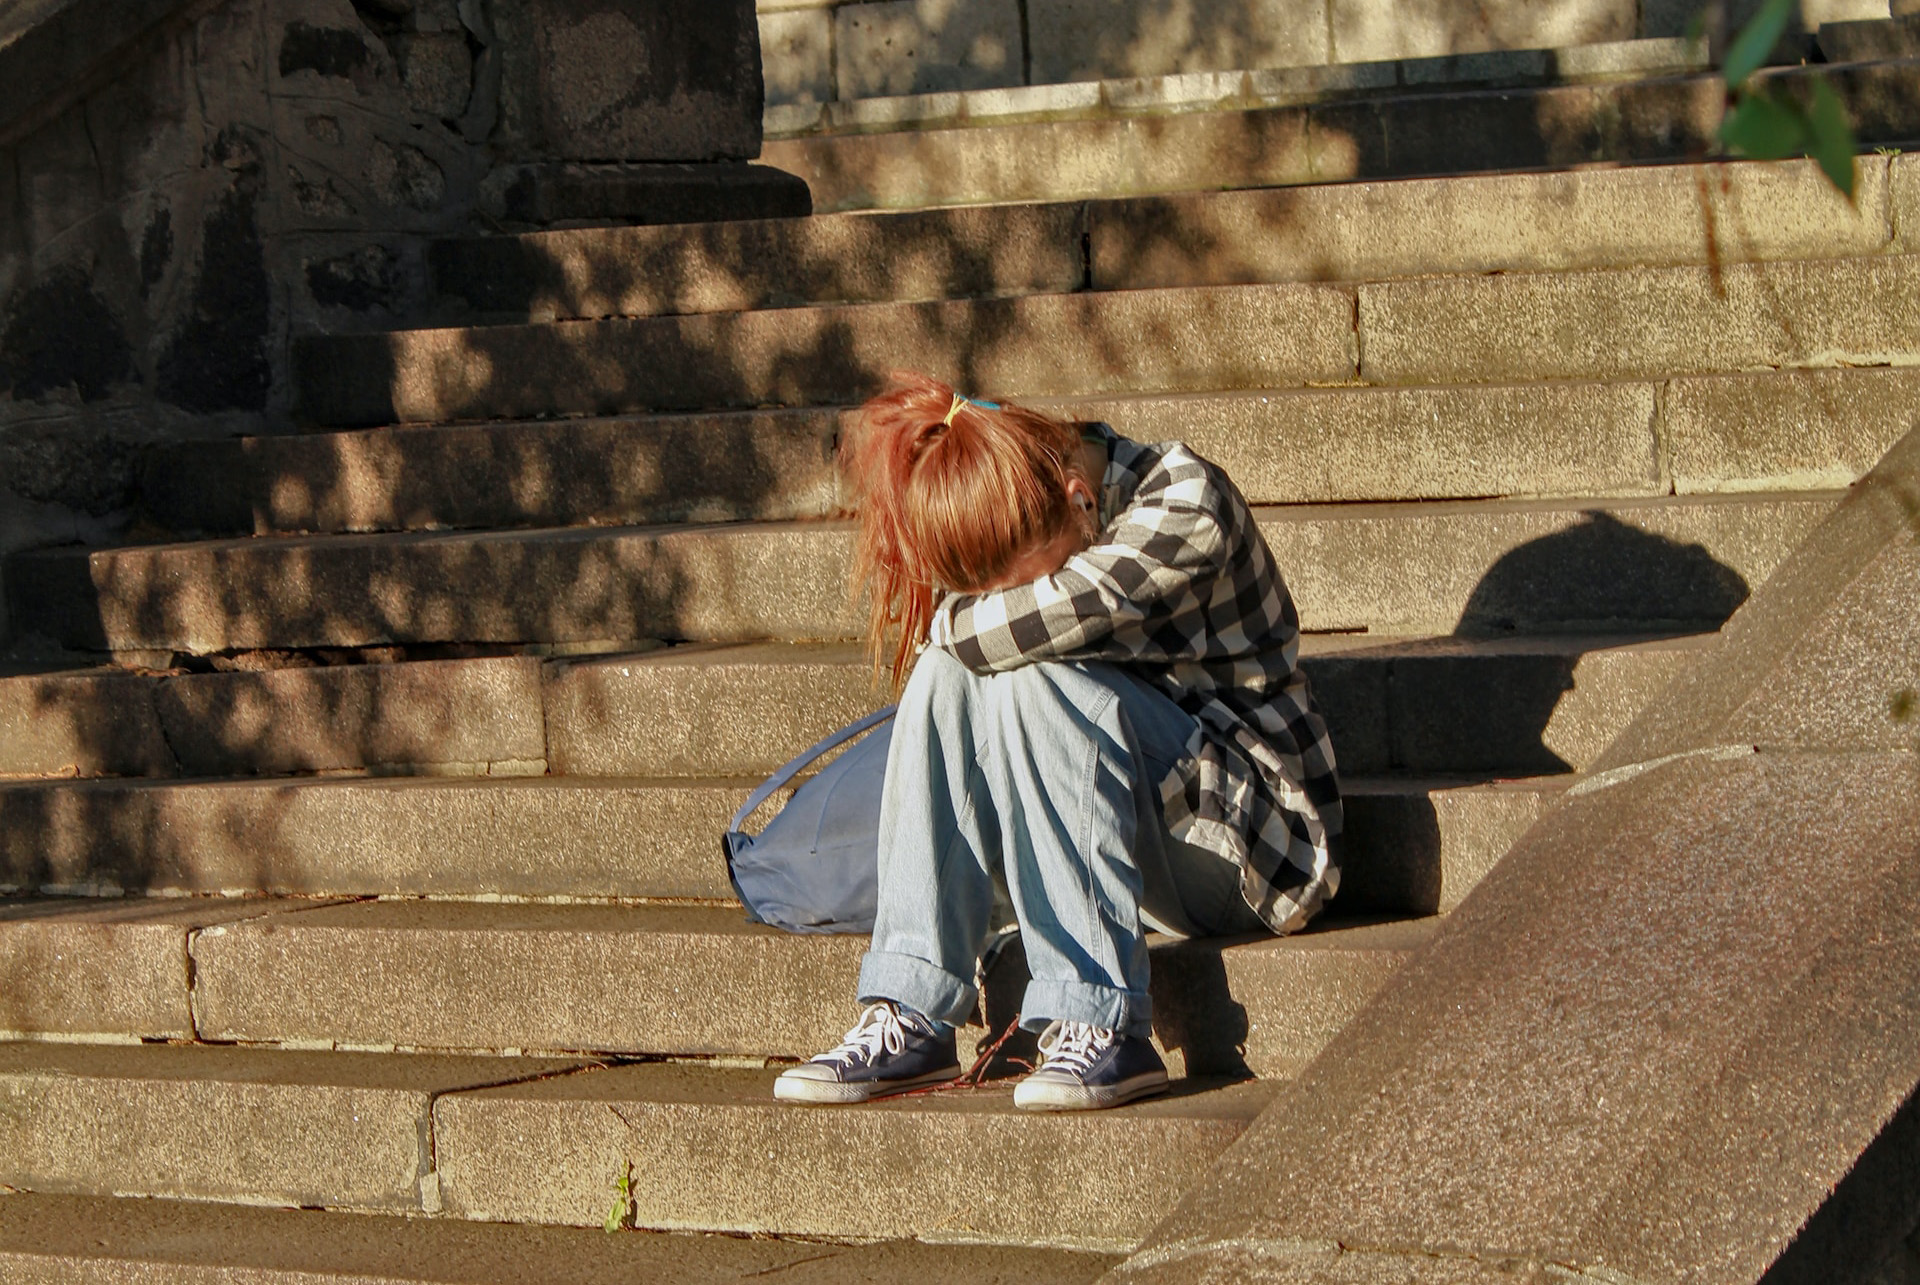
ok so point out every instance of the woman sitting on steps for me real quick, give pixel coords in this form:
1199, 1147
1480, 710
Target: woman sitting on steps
1105, 712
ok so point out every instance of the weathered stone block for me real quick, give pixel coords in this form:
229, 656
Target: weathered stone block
669, 713
796, 48
1784, 431
1322, 446
1102, 40
96, 724
1533, 567
459, 837
712, 1149
1594, 218
95, 1240
640, 978
458, 715
769, 465
436, 69
1810, 313
746, 264
1125, 341
906, 47
1903, 189
334, 1129
1367, 31
86, 967
671, 80
1410, 848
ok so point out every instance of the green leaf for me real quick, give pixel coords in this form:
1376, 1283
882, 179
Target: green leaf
1830, 137
616, 1216
1756, 40
1765, 128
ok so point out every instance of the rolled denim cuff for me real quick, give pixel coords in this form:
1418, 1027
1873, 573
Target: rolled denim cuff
1129, 1012
926, 988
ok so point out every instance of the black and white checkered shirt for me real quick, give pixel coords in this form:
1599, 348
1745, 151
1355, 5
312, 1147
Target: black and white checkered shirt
1181, 586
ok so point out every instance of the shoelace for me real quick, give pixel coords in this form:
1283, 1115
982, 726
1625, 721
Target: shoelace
879, 1027
1073, 1046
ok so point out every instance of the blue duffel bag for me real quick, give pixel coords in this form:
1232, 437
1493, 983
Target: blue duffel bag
815, 867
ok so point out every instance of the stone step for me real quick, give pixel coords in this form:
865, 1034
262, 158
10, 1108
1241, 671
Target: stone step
946, 1166
1727, 212
1415, 846
1622, 323
65, 1240
1421, 706
1136, 72
1095, 149
1693, 434
1511, 706
708, 1147
653, 980
1681, 563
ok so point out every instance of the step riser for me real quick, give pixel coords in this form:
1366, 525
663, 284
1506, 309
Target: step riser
101, 1240
332, 1131
737, 267
753, 995
1397, 572
1513, 714
1630, 323
1654, 120
680, 718
1413, 848
117, 971
1691, 435
1640, 217
1807, 313
353, 839
1144, 341
943, 1175
638, 980
352, 1148
712, 468
708, 1149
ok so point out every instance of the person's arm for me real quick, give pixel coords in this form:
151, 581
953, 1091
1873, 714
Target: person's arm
1168, 542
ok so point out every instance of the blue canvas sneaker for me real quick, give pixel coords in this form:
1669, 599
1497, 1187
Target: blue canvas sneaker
1083, 1067
889, 1050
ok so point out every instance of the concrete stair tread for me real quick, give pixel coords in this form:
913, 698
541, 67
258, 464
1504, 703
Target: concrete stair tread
1590, 323
1237, 89
1640, 216
602, 979
1269, 516
1415, 845
1700, 434
1530, 566
199, 1063
44, 1239
1397, 131
708, 1146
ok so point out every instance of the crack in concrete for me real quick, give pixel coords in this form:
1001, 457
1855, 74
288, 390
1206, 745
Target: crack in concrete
1621, 775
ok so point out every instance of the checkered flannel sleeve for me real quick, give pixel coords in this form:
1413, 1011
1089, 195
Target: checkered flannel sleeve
1139, 594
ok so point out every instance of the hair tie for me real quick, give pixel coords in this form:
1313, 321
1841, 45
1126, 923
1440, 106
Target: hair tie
960, 400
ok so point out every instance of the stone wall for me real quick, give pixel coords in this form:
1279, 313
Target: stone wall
254, 169
835, 50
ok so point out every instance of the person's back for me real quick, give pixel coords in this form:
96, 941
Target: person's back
1102, 711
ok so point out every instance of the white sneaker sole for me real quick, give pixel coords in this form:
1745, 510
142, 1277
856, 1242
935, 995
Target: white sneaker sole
1036, 1093
792, 1087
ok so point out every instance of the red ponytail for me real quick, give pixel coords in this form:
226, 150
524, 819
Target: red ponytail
950, 495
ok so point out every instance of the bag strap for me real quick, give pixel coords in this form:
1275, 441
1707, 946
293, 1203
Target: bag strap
805, 759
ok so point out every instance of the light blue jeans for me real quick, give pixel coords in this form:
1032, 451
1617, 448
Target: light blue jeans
1044, 779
